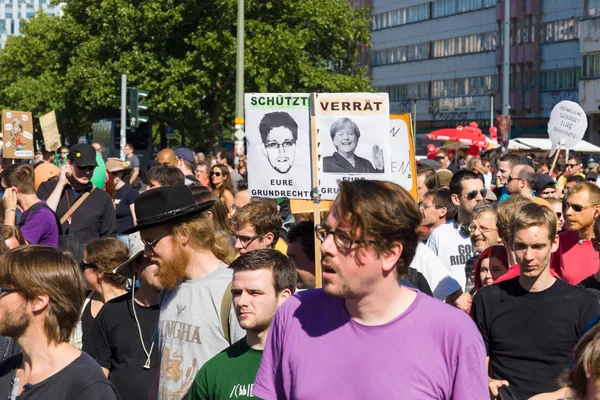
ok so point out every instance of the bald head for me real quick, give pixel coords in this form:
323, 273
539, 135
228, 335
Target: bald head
524, 171
166, 157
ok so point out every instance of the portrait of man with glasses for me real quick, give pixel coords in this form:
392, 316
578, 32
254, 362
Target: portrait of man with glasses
279, 134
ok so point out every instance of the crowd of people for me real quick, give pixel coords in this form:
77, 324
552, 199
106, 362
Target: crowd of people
171, 282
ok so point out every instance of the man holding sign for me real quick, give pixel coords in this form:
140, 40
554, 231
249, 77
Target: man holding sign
357, 321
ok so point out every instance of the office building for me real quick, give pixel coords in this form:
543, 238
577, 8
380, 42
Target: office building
12, 12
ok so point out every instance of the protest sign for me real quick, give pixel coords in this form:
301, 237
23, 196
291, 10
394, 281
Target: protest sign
403, 165
353, 138
17, 134
567, 125
278, 136
50, 131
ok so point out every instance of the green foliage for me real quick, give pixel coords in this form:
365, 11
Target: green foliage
184, 53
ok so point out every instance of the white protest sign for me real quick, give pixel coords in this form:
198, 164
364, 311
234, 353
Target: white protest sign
567, 125
353, 139
402, 154
278, 135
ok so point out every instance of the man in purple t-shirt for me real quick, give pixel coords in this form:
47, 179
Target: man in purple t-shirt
38, 222
365, 335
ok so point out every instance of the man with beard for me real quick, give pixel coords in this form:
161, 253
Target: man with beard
326, 343
531, 323
41, 298
279, 134
195, 321
262, 281
121, 337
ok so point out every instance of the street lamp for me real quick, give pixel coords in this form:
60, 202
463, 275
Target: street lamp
491, 107
415, 123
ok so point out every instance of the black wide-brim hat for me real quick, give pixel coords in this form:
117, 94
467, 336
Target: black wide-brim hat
165, 204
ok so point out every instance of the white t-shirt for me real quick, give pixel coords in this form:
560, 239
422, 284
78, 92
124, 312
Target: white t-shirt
453, 247
439, 278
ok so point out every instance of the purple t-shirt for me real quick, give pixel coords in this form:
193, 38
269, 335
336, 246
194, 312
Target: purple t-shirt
40, 227
316, 351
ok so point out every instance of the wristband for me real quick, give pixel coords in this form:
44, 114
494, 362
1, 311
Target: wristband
11, 210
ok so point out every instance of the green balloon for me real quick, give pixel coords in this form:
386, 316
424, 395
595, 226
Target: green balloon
99, 172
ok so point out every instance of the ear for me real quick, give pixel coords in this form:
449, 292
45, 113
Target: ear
391, 257
184, 235
209, 214
443, 212
283, 296
455, 199
39, 303
555, 244
268, 238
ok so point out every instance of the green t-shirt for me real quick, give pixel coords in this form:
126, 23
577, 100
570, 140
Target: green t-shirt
228, 375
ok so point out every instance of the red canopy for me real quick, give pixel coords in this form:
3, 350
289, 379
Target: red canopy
470, 135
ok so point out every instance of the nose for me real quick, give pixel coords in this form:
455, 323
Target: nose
243, 299
479, 197
280, 150
238, 244
326, 245
528, 254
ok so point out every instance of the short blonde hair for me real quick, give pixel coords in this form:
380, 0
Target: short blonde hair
35, 270
505, 212
533, 214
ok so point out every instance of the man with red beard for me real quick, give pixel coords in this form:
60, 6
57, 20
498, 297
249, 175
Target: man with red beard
196, 317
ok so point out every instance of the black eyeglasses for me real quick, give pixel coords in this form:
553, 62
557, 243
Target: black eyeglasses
83, 266
276, 146
576, 207
215, 173
8, 290
340, 238
246, 241
473, 194
154, 242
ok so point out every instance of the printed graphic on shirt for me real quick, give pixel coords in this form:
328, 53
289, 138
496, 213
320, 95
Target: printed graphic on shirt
176, 381
465, 252
241, 390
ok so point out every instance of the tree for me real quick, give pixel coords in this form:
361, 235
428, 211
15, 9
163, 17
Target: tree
183, 52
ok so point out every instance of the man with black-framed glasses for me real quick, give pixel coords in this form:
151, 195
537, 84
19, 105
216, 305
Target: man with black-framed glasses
363, 322
576, 258
451, 241
257, 225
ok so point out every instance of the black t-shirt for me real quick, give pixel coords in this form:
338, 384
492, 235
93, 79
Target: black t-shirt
125, 198
115, 344
530, 336
590, 283
81, 380
87, 320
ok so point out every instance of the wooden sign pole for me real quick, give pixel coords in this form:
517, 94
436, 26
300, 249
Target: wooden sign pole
316, 196
555, 158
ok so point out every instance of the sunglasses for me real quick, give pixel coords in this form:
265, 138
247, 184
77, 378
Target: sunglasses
154, 242
83, 266
576, 207
572, 165
473, 194
215, 174
86, 167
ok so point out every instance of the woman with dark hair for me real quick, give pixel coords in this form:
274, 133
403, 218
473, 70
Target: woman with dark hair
100, 258
491, 264
221, 183
344, 135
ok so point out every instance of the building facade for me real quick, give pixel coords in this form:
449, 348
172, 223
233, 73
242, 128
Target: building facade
445, 57
12, 12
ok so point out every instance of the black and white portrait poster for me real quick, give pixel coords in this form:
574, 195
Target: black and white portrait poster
353, 138
278, 135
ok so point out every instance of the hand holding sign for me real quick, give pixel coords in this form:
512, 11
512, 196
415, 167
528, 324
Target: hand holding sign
377, 157
567, 125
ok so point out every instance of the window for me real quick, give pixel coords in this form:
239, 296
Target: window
560, 79
419, 90
559, 31
464, 45
401, 16
591, 8
479, 85
444, 8
591, 65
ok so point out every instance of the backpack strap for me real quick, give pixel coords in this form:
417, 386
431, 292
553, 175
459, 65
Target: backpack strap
225, 310
31, 210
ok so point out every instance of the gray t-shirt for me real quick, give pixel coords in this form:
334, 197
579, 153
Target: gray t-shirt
189, 330
134, 161
235, 178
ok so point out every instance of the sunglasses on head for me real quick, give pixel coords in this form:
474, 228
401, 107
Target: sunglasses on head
473, 194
